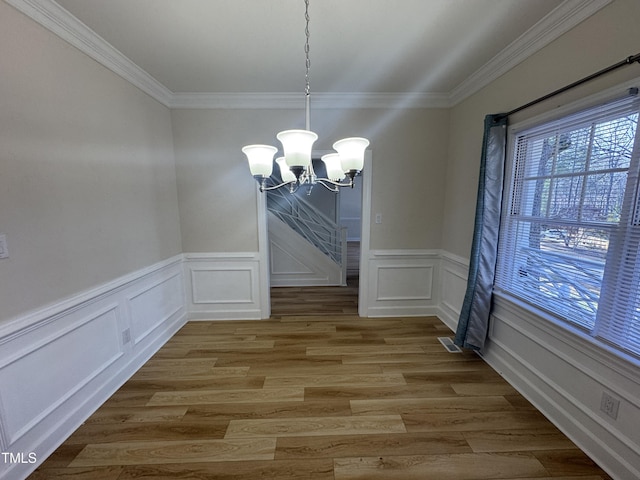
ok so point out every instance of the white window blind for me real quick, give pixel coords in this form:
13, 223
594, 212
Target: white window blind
570, 235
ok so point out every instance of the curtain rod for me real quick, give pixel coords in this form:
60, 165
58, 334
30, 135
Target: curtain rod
626, 61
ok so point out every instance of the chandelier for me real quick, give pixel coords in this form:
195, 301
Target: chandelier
296, 166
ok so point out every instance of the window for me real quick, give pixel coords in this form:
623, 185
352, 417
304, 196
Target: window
570, 234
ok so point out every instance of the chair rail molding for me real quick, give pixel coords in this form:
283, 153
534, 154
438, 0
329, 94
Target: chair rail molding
564, 375
60, 363
101, 337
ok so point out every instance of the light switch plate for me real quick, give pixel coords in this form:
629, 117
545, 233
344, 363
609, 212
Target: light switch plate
4, 250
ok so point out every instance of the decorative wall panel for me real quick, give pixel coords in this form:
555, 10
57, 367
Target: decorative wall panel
59, 364
402, 283
223, 286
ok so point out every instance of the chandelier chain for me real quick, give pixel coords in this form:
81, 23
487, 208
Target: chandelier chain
307, 89
296, 165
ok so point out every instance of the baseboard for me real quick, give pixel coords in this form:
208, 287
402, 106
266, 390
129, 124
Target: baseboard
382, 312
59, 364
564, 375
121, 324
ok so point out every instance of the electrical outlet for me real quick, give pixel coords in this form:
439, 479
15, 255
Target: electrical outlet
4, 250
609, 405
126, 336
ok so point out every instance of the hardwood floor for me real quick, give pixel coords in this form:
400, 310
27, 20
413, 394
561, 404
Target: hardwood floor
330, 396
298, 301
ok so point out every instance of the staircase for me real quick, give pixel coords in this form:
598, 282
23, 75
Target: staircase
306, 247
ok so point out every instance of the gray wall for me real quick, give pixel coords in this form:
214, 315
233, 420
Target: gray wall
606, 38
562, 373
87, 177
217, 194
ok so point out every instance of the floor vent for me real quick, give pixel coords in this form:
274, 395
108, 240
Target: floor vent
449, 345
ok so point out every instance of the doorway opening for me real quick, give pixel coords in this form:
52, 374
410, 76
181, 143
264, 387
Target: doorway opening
305, 298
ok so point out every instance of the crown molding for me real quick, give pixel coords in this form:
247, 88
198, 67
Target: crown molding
318, 100
559, 21
62, 23
400, 100
236, 100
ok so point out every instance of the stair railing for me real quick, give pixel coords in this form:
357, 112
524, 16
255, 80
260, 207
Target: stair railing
309, 222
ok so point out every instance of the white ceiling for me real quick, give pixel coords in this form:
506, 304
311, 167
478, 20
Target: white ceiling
436, 48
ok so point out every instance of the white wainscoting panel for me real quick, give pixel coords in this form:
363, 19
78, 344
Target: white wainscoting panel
59, 364
155, 305
564, 374
402, 283
453, 285
223, 286
67, 368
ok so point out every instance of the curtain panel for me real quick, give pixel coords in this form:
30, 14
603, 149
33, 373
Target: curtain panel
473, 323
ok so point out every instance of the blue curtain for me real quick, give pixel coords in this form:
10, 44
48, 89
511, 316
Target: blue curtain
473, 323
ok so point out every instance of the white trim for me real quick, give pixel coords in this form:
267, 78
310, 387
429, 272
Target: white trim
615, 360
365, 235
600, 98
455, 308
394, 283
452, 282
221, 255
562, 372
38, 318
210, 279
390, 254
425, 296
530, 351
319, 100
460, 261
563, 18
158, 318
13, 362
59, 21
62, 23
84, 337
610, 449
264, 266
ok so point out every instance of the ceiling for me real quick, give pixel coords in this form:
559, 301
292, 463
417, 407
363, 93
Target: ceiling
434, 48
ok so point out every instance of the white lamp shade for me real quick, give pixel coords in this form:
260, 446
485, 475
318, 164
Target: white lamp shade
351, 152
286, 174
260, 159
297, 146
334, 168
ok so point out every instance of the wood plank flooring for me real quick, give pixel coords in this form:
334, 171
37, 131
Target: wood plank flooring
333, 397
296, 301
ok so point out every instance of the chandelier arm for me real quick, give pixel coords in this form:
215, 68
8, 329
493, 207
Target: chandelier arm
332, 185
265, 188
331, 188
298, 141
